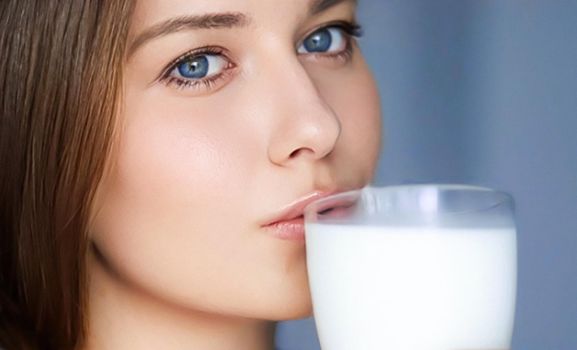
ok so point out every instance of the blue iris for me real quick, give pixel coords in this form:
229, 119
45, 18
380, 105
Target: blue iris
319, 41
194, 68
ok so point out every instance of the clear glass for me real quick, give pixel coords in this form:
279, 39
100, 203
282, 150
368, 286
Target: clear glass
420, 267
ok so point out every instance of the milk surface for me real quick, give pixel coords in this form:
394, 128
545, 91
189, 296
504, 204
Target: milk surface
412, 288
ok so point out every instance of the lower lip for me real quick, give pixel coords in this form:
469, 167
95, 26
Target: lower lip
290, 230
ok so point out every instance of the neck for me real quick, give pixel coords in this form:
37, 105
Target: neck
123, 317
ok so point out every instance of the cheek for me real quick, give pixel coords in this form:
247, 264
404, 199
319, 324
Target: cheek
169, 201
169, 167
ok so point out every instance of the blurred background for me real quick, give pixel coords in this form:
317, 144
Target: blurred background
484, 92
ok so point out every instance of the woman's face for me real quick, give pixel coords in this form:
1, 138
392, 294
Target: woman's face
232, 111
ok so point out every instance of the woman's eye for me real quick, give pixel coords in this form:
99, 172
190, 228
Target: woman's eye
199, 67
331, 40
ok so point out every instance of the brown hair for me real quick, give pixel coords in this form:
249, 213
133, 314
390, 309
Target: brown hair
60, 81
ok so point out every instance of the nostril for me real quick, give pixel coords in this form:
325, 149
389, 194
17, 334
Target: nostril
298, 151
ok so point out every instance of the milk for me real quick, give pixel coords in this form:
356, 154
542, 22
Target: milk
412, 288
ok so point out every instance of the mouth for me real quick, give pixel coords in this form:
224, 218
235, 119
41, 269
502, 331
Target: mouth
288, 223
290, 230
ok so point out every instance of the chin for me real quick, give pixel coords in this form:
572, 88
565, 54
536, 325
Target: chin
297, 307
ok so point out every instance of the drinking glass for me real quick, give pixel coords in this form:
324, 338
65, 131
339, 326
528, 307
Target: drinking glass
418, 267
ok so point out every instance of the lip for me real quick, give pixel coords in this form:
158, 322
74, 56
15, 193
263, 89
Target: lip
288, 223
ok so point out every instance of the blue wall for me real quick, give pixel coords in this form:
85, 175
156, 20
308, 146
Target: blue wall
485, 92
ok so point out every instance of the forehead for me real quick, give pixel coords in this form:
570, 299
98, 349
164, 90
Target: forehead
153, 11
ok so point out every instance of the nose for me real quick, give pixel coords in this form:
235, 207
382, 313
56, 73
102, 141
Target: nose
305, 126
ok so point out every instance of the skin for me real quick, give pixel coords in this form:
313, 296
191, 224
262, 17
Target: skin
181, 258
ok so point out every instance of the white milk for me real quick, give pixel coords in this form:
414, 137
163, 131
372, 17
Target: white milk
402, 288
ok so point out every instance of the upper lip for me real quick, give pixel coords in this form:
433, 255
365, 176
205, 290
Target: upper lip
296, 209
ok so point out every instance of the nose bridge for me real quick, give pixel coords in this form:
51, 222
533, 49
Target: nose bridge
296, 82
305, 125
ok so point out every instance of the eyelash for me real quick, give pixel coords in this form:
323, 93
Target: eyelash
350, 30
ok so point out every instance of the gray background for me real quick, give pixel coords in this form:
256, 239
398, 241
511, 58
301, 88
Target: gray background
485, 92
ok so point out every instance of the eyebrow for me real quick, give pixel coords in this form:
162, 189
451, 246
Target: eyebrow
318, 6
177, 24
212, 21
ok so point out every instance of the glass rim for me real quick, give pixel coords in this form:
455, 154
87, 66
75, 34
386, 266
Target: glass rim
501, 197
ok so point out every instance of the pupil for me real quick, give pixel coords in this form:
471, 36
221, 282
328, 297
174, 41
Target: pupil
194, 68
319, 41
